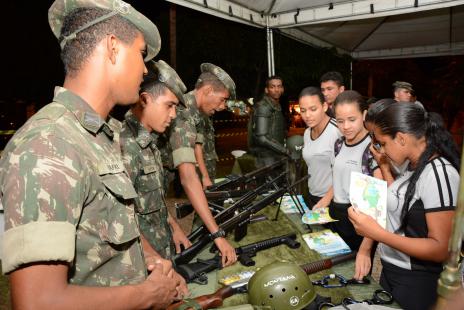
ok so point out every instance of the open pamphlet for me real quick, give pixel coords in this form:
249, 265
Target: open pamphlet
369, 195
326, 243
317, 216
288, 205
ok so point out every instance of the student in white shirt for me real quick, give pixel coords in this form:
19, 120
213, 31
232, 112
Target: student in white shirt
420, 203
318, 150
351, 154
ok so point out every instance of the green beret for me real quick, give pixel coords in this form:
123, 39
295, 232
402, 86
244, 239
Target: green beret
401, 84
163, 73
222, 76
61, 8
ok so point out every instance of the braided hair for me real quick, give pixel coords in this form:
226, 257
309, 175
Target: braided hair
413, 119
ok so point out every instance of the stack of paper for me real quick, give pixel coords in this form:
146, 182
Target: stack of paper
288, 206
326, 242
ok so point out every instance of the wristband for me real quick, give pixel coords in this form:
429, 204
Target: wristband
218, 234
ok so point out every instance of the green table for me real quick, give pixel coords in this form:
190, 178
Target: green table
267, 229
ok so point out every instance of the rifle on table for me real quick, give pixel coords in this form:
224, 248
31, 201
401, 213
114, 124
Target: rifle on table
214, 201
234, 181
196, 272
241, 219
229, 212
233, 186
217, 298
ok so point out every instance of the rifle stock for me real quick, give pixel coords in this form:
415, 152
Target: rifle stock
208, 301
327, 263
230, 290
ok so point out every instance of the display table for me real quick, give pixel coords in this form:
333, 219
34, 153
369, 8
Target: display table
268, 229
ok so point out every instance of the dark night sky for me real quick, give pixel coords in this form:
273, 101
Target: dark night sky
31, 66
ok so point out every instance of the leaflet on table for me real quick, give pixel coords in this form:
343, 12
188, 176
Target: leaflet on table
369, 195
288, 206
326, 243
317, 216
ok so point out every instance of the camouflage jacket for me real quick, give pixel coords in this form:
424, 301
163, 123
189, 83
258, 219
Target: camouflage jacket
183, 134
210, 157
142, 160
206, 129
68, 198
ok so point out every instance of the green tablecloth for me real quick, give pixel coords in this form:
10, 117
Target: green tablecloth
267, 229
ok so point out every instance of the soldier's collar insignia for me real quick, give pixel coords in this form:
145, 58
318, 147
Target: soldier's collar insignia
92, 122
144, 138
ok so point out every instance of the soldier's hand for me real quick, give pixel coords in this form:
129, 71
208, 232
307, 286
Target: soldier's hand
159, 288
206, 181
227, 251
179, 238
182, 289
165, 264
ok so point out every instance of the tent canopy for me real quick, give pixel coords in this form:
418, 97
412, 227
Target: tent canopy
364, 29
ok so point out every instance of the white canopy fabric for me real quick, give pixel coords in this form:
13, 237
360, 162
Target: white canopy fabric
365, 29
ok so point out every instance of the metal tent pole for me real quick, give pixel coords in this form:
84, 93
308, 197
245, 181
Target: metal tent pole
271, 35
268, 41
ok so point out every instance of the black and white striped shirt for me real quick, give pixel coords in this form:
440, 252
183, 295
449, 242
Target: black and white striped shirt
436, 191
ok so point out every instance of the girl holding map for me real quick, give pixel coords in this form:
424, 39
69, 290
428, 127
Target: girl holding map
352, 154
420, 203
318, 150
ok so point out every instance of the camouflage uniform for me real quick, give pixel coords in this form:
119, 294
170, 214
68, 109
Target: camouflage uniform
186, 129
68, 198
142, 160
165, 150
184, 133
267, 132
210, 157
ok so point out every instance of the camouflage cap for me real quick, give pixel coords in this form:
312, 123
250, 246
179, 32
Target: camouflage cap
162, 72
222, 76
401, 84
61, 8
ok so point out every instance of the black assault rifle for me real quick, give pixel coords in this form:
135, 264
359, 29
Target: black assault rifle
240, 219
235, 208
215, 200
233, 186
216, 299
233, 181
196, 272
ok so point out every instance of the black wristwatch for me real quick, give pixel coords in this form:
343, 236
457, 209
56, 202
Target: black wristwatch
218, 234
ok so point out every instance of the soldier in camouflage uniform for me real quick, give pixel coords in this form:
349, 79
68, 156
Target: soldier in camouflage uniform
70, 222
161, 91
214, 86
205, 153
266, 127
